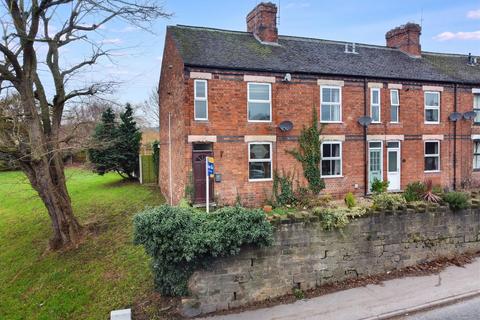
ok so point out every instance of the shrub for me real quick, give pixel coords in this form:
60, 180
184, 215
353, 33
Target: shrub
182, 239
379, 186
456, 200
350, 200
388, 200
283, 189
429, 195
414, 191
298, 294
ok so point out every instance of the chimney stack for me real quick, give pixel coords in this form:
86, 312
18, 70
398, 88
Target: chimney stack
406, 38
262, 22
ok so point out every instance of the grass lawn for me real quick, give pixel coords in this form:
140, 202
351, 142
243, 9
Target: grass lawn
106, 272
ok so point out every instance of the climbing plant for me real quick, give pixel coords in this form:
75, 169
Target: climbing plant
308, 154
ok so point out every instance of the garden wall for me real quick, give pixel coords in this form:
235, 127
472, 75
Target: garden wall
305, 256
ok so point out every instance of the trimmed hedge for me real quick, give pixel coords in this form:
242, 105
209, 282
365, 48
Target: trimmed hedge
181, 240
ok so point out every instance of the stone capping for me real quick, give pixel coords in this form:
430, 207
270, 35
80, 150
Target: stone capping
398, 86
385, 137
261, 138
251, 78
432, 88
192, 138
332, 137
475, 136
200, 75
326, 82
476, 90
375, 85
432, 137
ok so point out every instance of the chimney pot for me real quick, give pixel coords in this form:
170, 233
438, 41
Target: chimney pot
262, 22
406, 38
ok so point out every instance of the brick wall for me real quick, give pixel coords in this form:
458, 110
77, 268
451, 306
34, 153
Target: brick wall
305, 256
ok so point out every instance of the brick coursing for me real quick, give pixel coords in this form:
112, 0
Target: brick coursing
303, 256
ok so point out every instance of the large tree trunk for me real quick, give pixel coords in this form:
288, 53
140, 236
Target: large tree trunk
48, 179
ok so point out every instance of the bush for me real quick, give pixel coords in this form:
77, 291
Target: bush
379, 186
456, 200
181, 240
336, 218
283, 189
350, 200
414, 191
388, 200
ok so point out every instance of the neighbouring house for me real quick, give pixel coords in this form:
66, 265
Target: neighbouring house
225, 93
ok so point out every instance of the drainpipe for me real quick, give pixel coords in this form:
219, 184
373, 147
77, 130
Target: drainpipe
170, 157
455, 139
365, 93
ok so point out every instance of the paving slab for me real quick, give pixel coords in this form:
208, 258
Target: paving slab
391, 298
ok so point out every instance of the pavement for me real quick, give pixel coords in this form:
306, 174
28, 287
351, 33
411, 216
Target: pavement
463, 310
390, 299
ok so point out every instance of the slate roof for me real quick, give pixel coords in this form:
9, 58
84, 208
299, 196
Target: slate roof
215, 48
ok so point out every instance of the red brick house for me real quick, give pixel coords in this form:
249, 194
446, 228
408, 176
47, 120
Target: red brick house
224, 94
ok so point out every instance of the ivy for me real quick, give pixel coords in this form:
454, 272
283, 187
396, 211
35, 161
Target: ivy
308, 154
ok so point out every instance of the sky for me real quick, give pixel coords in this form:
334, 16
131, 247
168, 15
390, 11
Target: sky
448, 26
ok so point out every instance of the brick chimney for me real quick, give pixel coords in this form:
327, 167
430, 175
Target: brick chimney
262, 22
406, 38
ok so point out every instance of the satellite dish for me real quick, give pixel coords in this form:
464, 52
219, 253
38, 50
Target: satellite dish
470, 115
285, 126
455, 116
365, 121
288, 77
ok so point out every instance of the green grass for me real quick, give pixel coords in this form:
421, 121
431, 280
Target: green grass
105, 272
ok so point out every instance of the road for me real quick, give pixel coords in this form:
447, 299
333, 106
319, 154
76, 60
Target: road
464, 310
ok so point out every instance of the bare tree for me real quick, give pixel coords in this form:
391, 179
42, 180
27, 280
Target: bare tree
150, 109
30, 133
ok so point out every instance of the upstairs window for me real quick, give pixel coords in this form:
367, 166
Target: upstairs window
476, 107
432, 156
330, 106
394, 106
201, 100
259, 161
331, 159
432, 107
259, 102
476, 155
375, 105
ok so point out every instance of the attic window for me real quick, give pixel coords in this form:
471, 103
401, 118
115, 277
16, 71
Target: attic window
351, 48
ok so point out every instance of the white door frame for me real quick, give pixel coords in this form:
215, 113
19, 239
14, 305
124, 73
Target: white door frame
399, 164
369, 161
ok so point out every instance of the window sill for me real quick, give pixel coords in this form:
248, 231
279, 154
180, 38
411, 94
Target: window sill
394, 122
260, 180
331, 177
376, 122
337, 122
431, 123
259, 121
476, 170
432, 171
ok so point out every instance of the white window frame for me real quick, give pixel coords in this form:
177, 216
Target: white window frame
260, 160
331, 158
331, 103
474, 155
261, 101
195, 99
379, 104
396, 105
432, 155
476, 108
431, 107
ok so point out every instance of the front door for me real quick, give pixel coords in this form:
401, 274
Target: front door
393, 165
199, 154
375, 162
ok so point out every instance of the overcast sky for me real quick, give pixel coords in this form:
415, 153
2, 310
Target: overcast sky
448, 26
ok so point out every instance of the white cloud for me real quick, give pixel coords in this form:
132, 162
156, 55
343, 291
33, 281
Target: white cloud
445, 36
473, 14
127, 29
110, 41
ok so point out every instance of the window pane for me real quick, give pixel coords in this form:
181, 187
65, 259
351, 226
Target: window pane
393, 144
335, 150
200, 89
259, 91
260, 151
335, 113
392, 162
431, 115
431, 163
394, 96
431, 147
326, 113
432, 99
336, 167
335, 92
375, 113
375, 144
476, 162
476, 100
394, 113
326, 95
259, 111
477, 117
327, 150
200, 109
260, 170
476, 147
375, 96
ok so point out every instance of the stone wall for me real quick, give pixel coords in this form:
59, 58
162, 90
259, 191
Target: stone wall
304, 256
